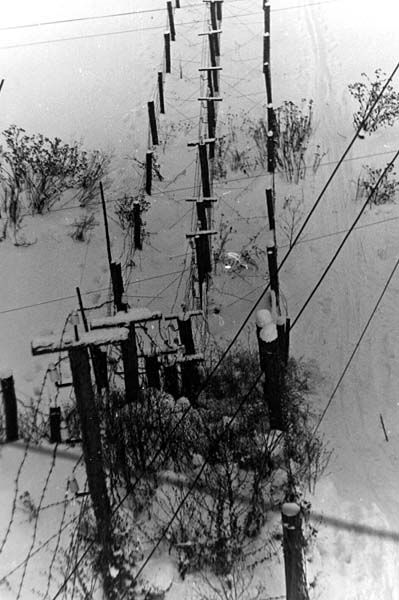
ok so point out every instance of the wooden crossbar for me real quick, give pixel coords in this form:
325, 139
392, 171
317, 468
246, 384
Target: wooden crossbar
202, 232
201, 200
205, 141
100, 337
211, 32
123, 319
210, 69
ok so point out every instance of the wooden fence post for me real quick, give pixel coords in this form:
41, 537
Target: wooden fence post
171, 380
171, 20
92, 451
161, 93
130, 366
148, 172
153, 123
138, 244
186, 335
152, 372
219, 10
270, 364
166, 36
268, 82
203, 156
55, 425
10, 405
177, 3
117, 285
293, 548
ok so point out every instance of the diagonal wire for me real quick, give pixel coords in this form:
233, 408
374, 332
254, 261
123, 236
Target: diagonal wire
224, 354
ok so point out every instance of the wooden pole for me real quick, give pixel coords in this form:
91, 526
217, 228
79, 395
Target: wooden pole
201, 215
266, 8
266, 48
153, 123
219, 10
100, 368
270, 209
166, 36
212, 54
215, 27
171, 380
271, 118
130, 366
268, 82
206, 188
152, 372
186, 335
92, 452
117, 285
211, 118
293, 549
161, 93
82, 310
55, 425
270, 152
273, 273
211, 91
177, 3
1, 84
270, 365
138, 244
148, 172
171, 21
106, 225
10, 405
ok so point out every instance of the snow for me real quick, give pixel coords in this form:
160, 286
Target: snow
69, 89
133, 315
98, 337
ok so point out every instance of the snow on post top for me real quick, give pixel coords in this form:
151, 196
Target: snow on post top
133, 315
98, 337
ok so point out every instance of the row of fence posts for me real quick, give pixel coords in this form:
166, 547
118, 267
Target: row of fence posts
273, 333
201, 238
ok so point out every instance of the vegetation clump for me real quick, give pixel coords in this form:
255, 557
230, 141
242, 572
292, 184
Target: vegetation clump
365, 92
383, 193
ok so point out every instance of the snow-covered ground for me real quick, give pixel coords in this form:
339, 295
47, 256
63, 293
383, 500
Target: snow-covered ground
96, 89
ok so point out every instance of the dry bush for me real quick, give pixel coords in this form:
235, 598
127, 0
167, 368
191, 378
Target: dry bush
386, 191
82, 226
366, 92
294, 126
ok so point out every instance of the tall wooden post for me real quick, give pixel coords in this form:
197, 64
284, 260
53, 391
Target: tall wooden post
273, 271
177, 3
148, 172
201, 216
203, 156
153, 123
161, 93
107, 238
171, 21
117, 285
166, 36
130, 366
171, 380
186, 335
270, 152
219, 10
92, 451
10, 405
294, 556
138, 244
270, 209
55, 425
152, 372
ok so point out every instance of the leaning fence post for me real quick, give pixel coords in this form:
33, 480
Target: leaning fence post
137, 225
10, 405
148, 172
166, 36
171, 21
160, 93
153, 123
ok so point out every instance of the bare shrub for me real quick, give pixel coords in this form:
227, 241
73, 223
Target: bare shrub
386, 191
291, 217
294, 126
82, 226
366, 92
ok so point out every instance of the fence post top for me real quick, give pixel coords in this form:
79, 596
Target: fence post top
6, 373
